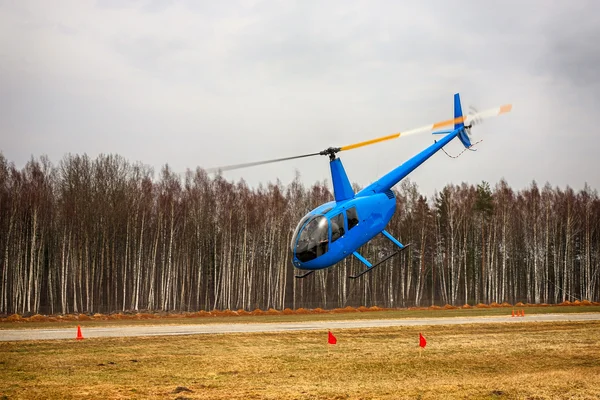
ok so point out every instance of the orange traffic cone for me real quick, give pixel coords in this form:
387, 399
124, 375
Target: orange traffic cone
522, 313
513, 313
79, 335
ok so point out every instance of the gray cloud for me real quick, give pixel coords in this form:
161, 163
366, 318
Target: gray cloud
572, 49
210, 83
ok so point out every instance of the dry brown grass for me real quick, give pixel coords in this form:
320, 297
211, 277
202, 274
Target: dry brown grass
147, 316
224, 316
495, 361
37, 318
226, 313
347, 309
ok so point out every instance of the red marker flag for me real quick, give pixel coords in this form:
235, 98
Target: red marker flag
331, 339
422, 341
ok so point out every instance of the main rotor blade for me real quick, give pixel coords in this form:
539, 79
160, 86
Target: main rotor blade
252, 164
492, 112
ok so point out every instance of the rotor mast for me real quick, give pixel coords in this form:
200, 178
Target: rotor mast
342, 189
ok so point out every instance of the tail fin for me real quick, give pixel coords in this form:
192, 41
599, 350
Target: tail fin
459, 122
458, 115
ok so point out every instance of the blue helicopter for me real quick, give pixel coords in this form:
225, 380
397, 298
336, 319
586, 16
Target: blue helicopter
337, 229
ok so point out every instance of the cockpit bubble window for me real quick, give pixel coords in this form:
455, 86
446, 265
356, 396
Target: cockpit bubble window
300, 225
352, 217
337, 227
313, 239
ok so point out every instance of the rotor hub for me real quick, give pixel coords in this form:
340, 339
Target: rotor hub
330, 151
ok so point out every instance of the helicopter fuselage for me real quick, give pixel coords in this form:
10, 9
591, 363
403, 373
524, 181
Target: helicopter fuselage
317, 242
339, 228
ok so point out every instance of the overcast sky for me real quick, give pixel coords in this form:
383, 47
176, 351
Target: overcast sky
210, 83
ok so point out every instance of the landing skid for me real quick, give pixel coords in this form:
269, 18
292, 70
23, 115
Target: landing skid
392, 239
304, 275
380, 262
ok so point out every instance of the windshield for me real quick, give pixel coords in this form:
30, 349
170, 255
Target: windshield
313, 238
295, 235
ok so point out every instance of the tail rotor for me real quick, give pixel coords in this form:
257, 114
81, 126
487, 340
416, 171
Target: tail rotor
474, 118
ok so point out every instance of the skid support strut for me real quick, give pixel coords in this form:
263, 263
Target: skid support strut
370, 267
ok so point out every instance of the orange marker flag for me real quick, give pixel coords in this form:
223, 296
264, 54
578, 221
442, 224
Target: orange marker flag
331, 339
79, 335
422, 341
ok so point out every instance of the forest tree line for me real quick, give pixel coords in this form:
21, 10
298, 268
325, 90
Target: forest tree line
106, 235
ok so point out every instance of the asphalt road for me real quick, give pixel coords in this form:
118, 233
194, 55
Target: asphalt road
207, 329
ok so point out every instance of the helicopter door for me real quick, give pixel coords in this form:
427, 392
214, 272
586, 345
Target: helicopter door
352, 217
313, 239
337, 227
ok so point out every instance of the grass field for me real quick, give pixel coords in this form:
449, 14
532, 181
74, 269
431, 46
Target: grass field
490, 361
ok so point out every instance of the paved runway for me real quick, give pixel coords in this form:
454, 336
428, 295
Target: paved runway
204, 329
